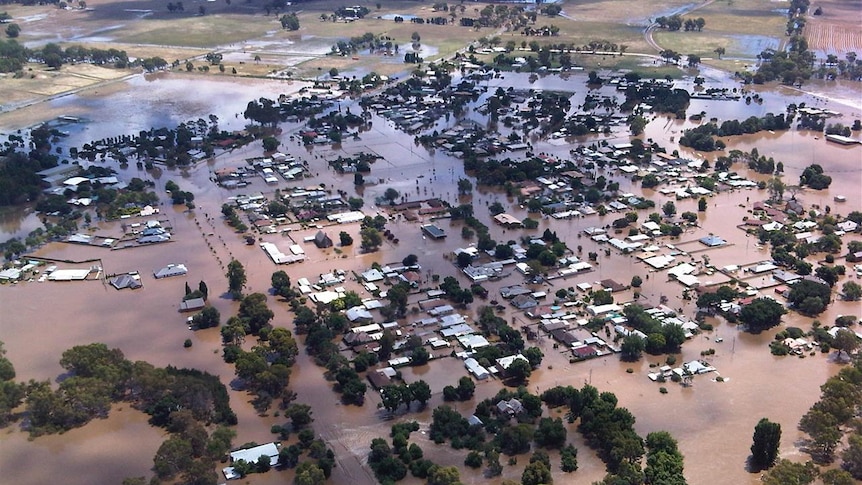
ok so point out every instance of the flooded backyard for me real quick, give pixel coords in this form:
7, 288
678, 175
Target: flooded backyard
713, 421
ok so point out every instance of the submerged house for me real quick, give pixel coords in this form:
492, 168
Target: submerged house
321, 240
251, 455
126, 281
171, 270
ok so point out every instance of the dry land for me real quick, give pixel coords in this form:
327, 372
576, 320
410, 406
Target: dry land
836, 30
743, 28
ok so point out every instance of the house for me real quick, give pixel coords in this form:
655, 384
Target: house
510, 407
171, 270
321, 240
503, 363
11, 274
507, 220
564, 337
612, 286
358, 313
584, 352
372, 275
476, 370
252, 455
378, 379
513, 291
126, 281
712, 241
523, 302
357, 338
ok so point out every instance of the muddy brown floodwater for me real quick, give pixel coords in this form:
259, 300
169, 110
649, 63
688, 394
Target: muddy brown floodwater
713, 421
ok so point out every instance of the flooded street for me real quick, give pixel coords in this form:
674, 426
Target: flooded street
713, 421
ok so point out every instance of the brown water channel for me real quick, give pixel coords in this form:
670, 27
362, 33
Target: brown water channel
712, 421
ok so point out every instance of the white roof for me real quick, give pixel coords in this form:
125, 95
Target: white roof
251, 455
681, 269
473, 341
505, 362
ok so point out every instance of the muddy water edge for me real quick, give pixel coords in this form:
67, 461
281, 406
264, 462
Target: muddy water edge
713, 421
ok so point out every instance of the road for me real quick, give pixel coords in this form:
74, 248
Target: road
651, 28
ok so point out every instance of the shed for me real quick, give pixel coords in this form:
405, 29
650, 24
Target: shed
192, 304
433, 231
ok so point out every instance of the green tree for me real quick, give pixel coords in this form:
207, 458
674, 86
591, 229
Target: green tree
299, 414
852, 291
270, 144
236, 278
551, 433
444, 476
254, 312
766, 440
13, 30
669, 208
786, 472
845, 341
289, 22
466, 388
632, 348
309, 473
209, 317
537, 473
345, 239
761, 314
602, 297
420, 356
173, 456
824, 431
421, 392
371, 238
391, 195
519, 371
534, 355
837, 477
817, 295
852, 456
701, 204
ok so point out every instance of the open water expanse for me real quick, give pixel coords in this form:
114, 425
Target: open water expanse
713, 421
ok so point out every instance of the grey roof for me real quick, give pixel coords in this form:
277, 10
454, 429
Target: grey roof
125, 281
192, 304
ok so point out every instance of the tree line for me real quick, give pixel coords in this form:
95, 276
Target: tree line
13, 56
182, 401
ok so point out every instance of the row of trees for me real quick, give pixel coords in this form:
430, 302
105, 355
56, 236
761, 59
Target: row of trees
676, 22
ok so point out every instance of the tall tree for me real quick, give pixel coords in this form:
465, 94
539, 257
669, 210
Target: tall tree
764, 448
236, 278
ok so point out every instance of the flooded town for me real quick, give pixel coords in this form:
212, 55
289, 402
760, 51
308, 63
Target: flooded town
451, 257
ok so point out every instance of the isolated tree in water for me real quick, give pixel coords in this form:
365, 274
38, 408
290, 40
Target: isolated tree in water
236, 278
764, 449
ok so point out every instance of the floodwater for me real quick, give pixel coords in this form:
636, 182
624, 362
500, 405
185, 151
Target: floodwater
713, 421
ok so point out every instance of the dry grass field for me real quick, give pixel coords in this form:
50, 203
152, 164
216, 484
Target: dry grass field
743, 28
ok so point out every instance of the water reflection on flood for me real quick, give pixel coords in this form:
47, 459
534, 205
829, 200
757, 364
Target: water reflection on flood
712, 421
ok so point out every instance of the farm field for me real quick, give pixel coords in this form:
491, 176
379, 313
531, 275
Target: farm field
836, 30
